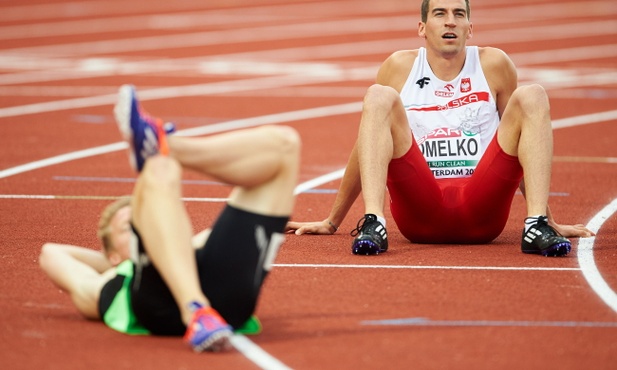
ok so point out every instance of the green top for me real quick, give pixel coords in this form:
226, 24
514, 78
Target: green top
120, 316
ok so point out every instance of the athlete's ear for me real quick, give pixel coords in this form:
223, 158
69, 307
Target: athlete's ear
422, 29
470, 34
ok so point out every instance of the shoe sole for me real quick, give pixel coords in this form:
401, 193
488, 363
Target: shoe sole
556, 250
217, 342
365, 247
122, 112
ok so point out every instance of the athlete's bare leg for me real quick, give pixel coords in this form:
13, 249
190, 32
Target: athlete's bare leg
261, 163
384, 134
163, 223
525, 131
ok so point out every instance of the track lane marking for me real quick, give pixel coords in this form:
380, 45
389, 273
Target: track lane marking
422, 267
298, 115
256, 354
421, 321
304, 114
587, 261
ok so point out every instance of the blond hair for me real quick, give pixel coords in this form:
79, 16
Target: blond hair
104, 230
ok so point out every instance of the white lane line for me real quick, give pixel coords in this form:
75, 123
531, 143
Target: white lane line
307, 30
68, 68
311, 184
587, 262
256, 354
96, 197
298, 115
62, 158
103, 21
304, 114
421, 321
169, 19
175, 92
421, 267
585, 119
238, 35
192, 13
87, 66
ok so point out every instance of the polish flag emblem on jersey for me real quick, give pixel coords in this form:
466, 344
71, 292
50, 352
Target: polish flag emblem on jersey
466, 85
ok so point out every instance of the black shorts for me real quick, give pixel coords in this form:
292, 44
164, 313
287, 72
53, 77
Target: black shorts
232, 267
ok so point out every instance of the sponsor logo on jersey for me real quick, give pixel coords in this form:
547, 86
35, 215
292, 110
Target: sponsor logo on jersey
423, 81
456, 103
446, 92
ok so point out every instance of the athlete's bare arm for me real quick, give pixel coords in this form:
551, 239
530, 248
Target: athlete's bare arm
501, 75
79, 271
393, 72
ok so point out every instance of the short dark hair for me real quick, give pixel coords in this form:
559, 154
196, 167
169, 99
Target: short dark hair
425, 5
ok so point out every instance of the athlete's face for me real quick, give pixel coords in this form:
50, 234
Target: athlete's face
120, 226
447, 26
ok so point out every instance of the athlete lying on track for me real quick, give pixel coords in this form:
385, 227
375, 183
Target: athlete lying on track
149, 278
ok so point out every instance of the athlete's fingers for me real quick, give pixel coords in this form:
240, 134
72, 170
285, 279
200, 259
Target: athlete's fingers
292, 226
584, 231
575, 231
306, 229
311, 228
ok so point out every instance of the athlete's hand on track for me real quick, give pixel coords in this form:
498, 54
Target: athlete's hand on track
573, 231
320, 227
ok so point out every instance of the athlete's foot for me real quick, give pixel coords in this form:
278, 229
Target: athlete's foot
542, 239
207, 330
371, 236
146, 135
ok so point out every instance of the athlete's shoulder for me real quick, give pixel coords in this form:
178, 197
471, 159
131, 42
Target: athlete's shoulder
493, 56
401, 59
395, 69
496, 64
500, 74
404, 55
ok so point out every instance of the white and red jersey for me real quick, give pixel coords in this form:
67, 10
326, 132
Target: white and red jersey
452, 121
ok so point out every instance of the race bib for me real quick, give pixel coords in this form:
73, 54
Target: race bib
451, 153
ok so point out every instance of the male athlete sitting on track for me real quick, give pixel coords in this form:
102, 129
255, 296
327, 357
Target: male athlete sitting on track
149, 278
450, 135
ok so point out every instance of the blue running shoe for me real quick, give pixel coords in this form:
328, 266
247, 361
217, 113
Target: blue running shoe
542, 239
371, 236
145, 135
207, 330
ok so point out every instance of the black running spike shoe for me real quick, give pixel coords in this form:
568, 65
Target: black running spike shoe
542, 239
371, 236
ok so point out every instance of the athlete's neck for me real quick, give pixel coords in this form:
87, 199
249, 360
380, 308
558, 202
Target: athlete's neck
446, 66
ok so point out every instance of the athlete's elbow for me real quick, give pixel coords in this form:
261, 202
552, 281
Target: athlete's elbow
46, 257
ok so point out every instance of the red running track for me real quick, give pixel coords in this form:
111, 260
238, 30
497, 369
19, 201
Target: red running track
208, 64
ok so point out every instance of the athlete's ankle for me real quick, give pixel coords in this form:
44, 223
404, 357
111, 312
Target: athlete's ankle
532, 220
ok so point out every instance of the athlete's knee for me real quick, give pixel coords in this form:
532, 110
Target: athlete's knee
290, 138
380, 96
286, 140
530, 97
